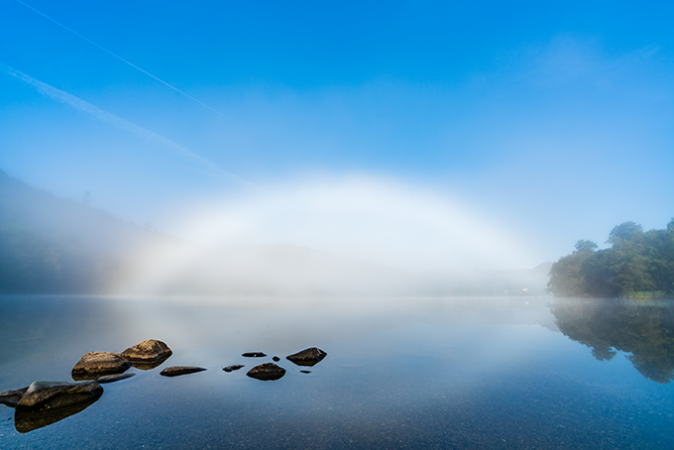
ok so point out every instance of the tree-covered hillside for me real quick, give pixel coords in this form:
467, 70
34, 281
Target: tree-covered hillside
55, 245
638, 265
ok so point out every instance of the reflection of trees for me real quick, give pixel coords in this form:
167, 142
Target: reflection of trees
644, 329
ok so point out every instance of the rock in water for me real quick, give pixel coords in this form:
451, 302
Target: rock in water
92, 365
254, 355
146, 351
180, 370
234, 367
53, 395
309, 357
276, 359
113, 378
267, 371
12, 397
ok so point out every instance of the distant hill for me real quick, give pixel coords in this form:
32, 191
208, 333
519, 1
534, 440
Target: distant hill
54, 245
65, 219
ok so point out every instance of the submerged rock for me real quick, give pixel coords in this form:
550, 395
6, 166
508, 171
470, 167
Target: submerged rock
12, 397
267, 371
180, 370
305, 371
309, 357
92, 365
26, 420
231, 368
53, 395
149, 351
254, 355
113, 378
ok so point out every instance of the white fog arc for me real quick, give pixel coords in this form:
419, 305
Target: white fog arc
371, 219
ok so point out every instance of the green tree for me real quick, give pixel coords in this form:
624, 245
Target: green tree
637, 261
566, 279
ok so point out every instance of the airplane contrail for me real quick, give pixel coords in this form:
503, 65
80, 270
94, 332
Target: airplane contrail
109, 118
121, 59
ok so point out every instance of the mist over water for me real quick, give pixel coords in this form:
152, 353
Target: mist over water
352, 236
357, 235
376, 220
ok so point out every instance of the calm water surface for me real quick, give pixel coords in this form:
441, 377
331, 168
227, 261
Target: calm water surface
512, 373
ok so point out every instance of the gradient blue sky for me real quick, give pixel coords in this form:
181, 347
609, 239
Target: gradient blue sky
554, 122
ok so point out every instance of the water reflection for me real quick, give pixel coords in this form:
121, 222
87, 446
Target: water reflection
26, 420
149, 365
400, 373
644, 329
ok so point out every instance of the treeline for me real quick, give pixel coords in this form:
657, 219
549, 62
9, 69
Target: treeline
637, 265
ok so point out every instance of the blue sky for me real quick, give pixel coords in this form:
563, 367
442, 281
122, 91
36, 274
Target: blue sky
548, 123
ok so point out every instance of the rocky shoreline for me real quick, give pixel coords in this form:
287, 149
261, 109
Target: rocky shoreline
43, 403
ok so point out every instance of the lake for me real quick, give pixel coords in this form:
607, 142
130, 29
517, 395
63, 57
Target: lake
463, 373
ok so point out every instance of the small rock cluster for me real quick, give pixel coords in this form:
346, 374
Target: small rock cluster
43, 403
271, 371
